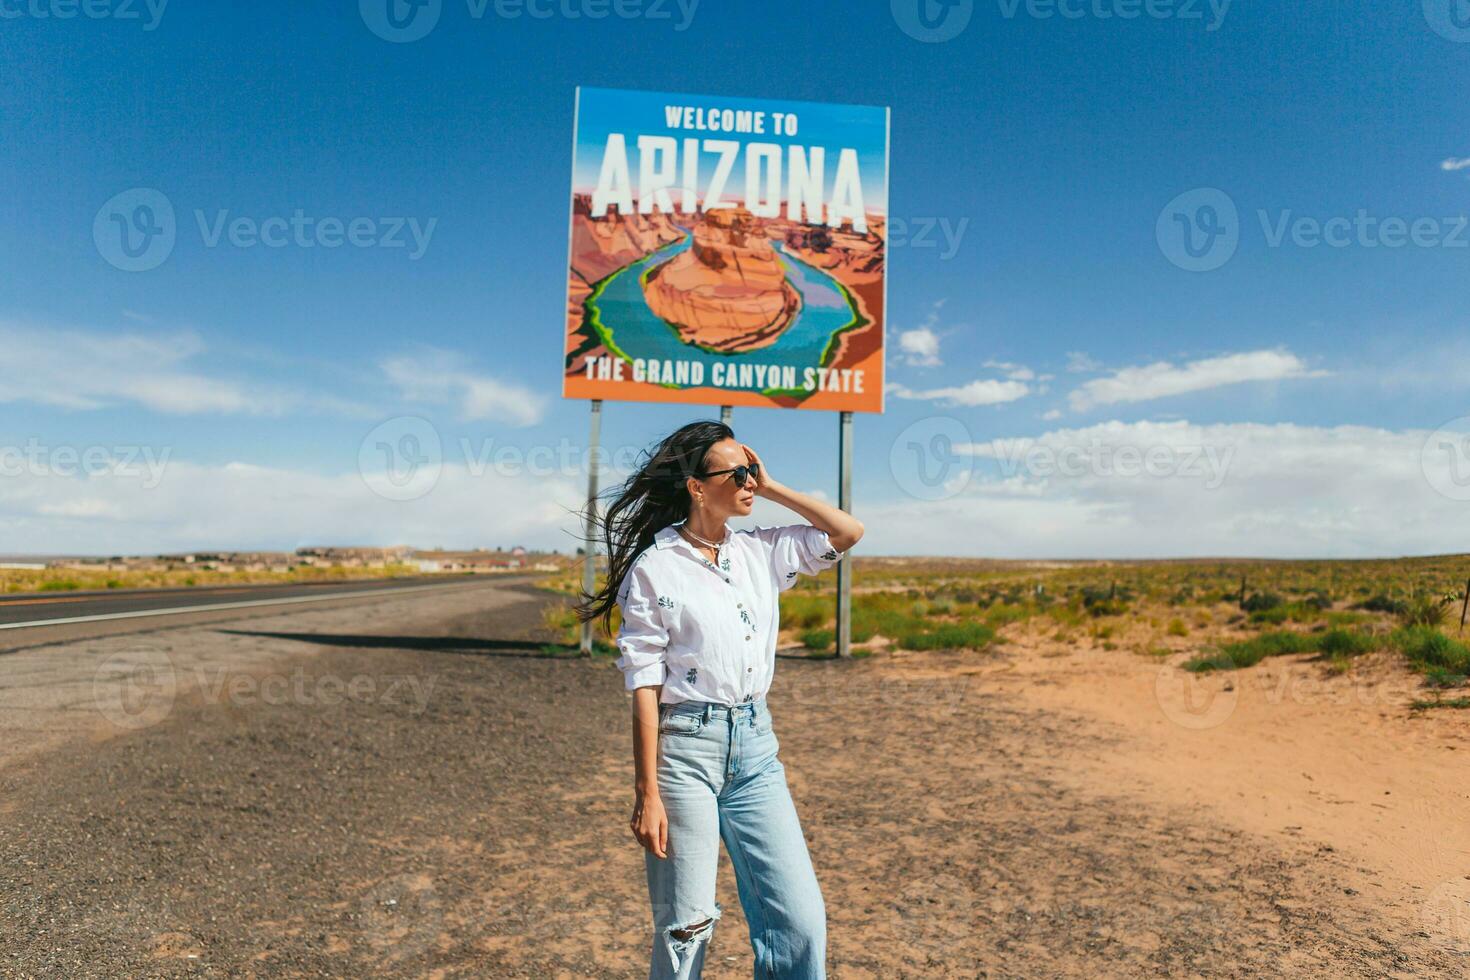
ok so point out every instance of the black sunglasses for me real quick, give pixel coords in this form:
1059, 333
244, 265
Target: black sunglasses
741, 472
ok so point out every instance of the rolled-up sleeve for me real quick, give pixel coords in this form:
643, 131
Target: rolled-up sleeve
643, 638
797, 549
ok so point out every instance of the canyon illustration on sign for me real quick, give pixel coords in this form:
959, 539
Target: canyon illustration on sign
727, 251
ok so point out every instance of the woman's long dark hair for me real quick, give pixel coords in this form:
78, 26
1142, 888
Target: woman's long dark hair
654, 497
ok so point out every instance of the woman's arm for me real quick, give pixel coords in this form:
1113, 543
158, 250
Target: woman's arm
842, 528
650, 824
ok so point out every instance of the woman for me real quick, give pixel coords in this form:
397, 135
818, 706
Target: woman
698, 650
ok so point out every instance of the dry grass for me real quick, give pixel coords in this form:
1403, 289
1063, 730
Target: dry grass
76, 580
1225, 614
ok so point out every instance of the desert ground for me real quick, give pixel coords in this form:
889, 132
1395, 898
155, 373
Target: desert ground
435, 785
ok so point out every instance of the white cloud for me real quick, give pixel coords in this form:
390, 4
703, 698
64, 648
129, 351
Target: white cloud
1455, 163
79, 370
440, 377
1016, 372
1079, 362
1432, 365
243, 506
1163, 379
85, 507
84, 370
919, 347
983, 392
1213, 490
1115, 489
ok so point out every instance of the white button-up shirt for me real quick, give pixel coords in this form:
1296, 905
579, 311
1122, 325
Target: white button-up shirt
706, 631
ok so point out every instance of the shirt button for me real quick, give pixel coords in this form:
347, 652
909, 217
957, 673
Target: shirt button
749, 670
737, 605
747, 636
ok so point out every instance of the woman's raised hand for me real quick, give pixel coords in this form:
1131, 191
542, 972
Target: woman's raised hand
764, 481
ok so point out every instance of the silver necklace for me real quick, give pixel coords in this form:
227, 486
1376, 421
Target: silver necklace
707, 542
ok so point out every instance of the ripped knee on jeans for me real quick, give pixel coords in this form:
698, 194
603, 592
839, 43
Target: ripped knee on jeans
689, 933
683, 938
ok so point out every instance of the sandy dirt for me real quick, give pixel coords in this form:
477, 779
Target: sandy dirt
416, 792
1288, 747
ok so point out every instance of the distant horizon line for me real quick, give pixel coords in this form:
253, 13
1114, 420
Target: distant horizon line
55, 556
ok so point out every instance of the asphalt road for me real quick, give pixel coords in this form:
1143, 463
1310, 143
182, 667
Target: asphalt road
29, 619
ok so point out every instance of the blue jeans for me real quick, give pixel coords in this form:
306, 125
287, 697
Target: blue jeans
719, 778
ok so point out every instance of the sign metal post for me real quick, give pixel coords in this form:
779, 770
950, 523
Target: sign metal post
844, 503
589, 546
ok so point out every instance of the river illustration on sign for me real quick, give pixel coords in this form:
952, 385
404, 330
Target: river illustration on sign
727, 251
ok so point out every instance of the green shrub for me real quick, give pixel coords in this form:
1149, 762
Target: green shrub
943, 636
1003, 615
805, 611
1345, 643
1214, 661
1112, 601
1261, 601
1442, 677
818, 639
1426, 647
1424, 612
872, 618
1248, 653
1381, 603
1297, 612
1451, 703
1065, 615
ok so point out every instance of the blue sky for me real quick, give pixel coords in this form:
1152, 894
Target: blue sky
1036, 301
